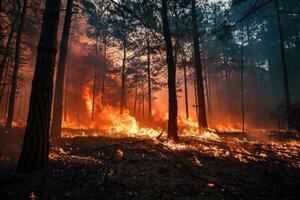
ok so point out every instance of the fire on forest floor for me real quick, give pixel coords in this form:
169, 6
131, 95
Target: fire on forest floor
142, 167
241, 146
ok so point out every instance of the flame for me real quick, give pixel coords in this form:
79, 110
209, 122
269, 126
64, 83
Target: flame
109, 122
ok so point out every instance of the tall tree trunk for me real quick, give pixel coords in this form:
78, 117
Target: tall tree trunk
11, 107
35, 150
252, 67
173, 109
13, 27
60, 75
123, 87
202, 122
66, 95
94, 92
185, 88
242, 84
143, 99
196, 96
206, 89
66, 91
149, 80
5, 78
104, 72
284, 67
135, 100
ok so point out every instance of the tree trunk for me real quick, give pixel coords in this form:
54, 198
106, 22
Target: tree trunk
123, 87
13, 27
66, 95
252, 67
242, 84
149, 80
11, 107
5, 79
202, 122
185, 88
65, 104
60, 75
104, 72
284, 67
196, 96
35, 150
94, 93
135, 100
173, 109
143, 98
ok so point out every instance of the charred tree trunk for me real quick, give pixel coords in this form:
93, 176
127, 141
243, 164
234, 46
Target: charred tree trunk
123, 87
252, 67
94, 92
11, 106
6, 52
242, 84
66, 91
5, 79
206, 89
284, 67
185, 89
173, 109
135, 100
60, 75
196, 96
35, 150
149, 80
104, 72
143, 99
202, 122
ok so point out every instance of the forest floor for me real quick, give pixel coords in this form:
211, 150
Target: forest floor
233, 167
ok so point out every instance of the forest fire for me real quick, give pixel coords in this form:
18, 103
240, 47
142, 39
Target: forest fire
159, 99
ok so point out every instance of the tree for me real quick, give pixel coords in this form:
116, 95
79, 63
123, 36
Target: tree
13, 27
60, 76
35, 150
202, 122
173, 109
284, 67
13, 90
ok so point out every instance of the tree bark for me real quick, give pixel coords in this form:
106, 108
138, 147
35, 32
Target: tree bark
149, 80
60, 75
11, 106
5, 79
143, 99
123, 87
13, 27
284, 67
185, 87
66, 91
173, 109
135, 100
202, 122
242, 84
35, 150
94, 93
104, 72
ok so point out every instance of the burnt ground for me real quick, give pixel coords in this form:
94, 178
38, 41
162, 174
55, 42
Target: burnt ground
139, 168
